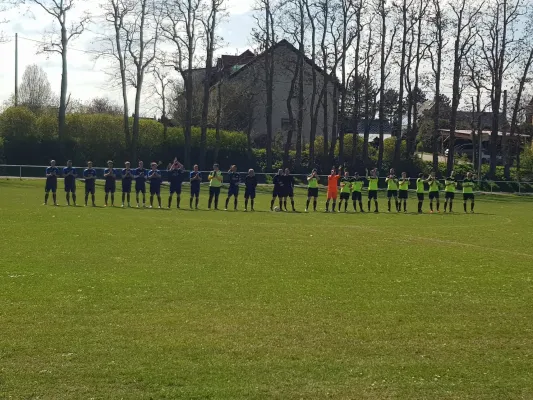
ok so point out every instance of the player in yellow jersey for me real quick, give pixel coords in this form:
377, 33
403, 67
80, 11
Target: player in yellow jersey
450, 186
404, 192
373, 180
468, 191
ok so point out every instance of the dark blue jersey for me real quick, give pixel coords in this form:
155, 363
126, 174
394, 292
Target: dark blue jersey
288, 181
196, 179
154, 177
127, 175
89, 173
278, 181
110, 178
175, 176
250, 182
70, 174
52, 173
140, 176
234, 179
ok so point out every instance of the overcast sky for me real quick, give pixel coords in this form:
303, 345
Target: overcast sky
87, 78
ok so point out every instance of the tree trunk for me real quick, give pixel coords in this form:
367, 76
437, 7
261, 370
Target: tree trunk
397, 146
205, 105
136, 116
292, 122
217, 127
301, 101
382, 83
124, 87
62, 117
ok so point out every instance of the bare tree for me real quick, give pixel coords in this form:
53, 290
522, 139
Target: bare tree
499, 52
210, 24
162, 88
264, 34
385, 50
436, 51
182, 20
404, 8
355, 74
142, 37
34, 91
117, 13
58, 42
466, 17
102, 105
4, 6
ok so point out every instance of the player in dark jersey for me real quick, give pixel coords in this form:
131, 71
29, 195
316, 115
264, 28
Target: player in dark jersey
51, 182
70, 175
234, 181
154, 177
468, 191
110, 175
278, 191
175, 177
89, 174
288, 187
127, 178
357, 195
249, 193
195, 179
140, 175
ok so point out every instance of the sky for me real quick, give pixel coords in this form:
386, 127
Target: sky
87, 77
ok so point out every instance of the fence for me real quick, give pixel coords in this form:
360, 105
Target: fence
38, 171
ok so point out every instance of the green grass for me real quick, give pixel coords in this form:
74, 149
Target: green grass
137, 304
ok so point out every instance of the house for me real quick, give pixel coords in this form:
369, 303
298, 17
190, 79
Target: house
529, 112
242, 82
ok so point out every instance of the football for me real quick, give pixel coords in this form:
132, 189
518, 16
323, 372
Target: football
276, 209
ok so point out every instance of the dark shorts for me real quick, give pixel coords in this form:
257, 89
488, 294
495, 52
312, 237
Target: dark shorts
175, 189
433, 195
249, 193
126, 186
420, 196
289, 192
345, 196
233, 191
110, 187
195, 191
449, 195
51, 186
392, 193
214, 190
403, 194
357, 196
373, 194
89, 187
155, 189
140, 187
312, 192
468, 196
70, 187
278, 192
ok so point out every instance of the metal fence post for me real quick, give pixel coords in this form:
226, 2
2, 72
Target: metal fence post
20, 172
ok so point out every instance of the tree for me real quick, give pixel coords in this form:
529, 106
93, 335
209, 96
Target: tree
466, 17
499, 45
4, 5
102, 105
162, 86
58, 42
34, 91
264, 34
385, 51
438, 34
182, 22
142, 34
210, 24
117, 13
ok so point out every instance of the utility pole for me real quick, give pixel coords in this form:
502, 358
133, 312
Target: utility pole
16, 69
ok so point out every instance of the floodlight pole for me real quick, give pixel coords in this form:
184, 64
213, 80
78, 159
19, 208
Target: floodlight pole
16, 69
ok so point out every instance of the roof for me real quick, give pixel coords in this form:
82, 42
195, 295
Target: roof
288, 45
373, 127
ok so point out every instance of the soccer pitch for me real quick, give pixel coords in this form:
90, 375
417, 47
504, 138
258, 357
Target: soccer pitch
137, 304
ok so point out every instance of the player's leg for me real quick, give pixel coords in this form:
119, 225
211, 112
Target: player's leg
93, 198
211, 196
389, 199
315, 202
113, 197
227, 200
360, 198
106, 196
159, 198
307, 202
246, 198
369, 202
398, 205
285, 202
74, 196
327, 202
178, 199
438, 202
235, 201
197, 199
252, 200
451, 201
376, 202
292, 202
431, 196
87, 196
190, 201
217, 195
272, 202
152, 194
420, 202
334, 203
170, 198
472, 203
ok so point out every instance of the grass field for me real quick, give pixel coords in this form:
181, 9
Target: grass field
154, 304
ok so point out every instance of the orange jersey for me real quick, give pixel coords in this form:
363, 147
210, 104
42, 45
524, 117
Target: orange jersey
333, 183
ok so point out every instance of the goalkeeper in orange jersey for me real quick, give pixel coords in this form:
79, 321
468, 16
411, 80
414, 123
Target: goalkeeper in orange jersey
333, 188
